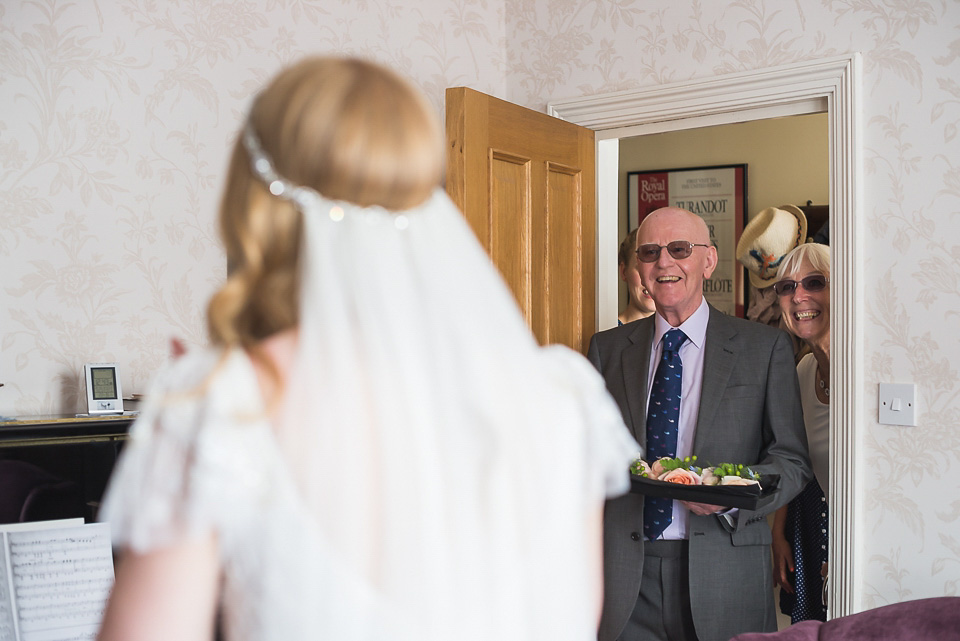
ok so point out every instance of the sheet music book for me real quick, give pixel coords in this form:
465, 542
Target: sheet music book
55, 577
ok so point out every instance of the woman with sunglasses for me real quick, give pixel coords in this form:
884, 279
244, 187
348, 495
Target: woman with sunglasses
799, 530
639, 303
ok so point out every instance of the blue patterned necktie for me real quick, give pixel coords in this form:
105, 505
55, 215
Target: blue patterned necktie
663, 422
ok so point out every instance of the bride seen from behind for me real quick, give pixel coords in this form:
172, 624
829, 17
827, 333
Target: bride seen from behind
374, 446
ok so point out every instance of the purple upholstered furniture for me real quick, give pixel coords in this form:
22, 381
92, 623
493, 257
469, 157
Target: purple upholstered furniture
936, 619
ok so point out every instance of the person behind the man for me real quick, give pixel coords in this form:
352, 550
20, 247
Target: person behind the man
677, 570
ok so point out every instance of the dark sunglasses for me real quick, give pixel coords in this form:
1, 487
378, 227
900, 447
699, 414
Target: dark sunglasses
812, 283
678, 249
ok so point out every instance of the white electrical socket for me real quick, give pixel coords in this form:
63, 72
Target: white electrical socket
898, 404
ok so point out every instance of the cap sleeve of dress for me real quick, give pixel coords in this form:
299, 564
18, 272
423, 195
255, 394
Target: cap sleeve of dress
608, 444
164, 488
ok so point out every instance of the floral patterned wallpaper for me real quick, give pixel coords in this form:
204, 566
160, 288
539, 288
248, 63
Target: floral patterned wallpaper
115, 125
116, 117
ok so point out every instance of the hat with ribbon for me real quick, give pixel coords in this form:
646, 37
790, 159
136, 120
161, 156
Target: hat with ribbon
767, 238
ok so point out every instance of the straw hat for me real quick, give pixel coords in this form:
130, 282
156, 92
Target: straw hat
767, 239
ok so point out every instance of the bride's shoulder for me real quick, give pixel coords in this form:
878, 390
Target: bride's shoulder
203, 377
567, 365
198, 367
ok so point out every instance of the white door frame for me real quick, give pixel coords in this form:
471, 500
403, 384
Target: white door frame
831, 85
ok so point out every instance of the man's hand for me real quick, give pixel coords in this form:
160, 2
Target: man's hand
702, 509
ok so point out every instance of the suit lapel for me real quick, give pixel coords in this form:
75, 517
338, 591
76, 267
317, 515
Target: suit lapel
635, 361
718, 362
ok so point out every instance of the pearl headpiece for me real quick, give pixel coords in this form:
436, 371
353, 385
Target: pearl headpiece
305, 198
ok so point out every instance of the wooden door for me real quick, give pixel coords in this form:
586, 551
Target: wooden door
526, 183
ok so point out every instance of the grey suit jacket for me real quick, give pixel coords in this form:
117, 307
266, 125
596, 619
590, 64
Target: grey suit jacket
750, 413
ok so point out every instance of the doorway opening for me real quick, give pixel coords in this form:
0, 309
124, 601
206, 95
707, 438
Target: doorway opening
830, 86
786, 163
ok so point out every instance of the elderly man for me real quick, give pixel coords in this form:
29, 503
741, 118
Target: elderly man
676, 570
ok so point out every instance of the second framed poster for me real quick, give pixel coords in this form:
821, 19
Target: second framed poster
716, 194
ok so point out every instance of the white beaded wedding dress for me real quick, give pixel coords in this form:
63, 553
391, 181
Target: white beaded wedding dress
436, 475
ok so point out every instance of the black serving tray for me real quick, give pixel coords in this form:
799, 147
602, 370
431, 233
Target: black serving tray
745, 497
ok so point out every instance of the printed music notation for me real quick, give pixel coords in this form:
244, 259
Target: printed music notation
57, 582
7, 631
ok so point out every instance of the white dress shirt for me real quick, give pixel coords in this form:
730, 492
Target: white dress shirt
691, 355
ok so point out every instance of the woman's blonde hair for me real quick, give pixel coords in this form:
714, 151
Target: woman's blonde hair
816, 253
628, 247
350, 129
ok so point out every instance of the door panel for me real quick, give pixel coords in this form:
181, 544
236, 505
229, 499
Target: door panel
509, 224
526, 183
564, 268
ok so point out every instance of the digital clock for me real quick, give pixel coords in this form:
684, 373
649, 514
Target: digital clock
103, 388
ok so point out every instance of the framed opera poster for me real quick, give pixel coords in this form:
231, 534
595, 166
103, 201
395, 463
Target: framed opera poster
716, 194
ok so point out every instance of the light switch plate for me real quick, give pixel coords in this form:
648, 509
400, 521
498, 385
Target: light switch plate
898, 404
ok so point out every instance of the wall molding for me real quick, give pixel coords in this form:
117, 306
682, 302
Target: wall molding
813, 86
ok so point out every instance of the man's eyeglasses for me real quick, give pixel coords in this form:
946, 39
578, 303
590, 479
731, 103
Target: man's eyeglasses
812, 283
678, 249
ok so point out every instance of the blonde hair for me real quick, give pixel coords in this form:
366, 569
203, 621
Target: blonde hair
628, 246
350, 129
816, 253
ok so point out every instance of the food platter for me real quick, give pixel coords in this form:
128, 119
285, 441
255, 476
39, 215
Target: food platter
745, 497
